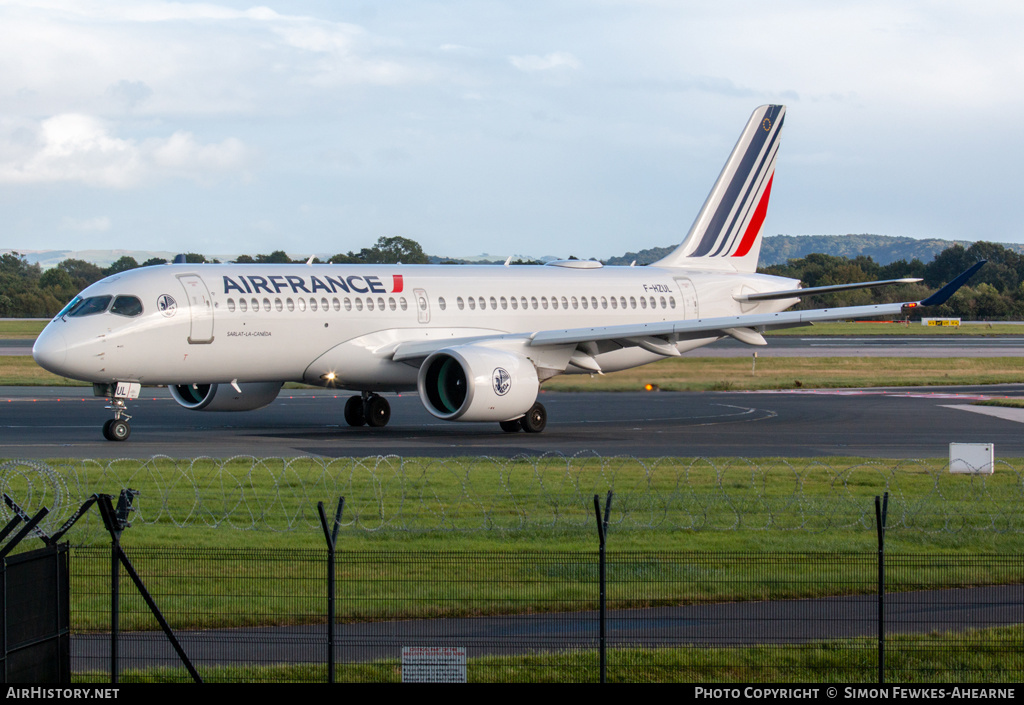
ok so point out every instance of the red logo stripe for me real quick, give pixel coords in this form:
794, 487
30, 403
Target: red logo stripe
399, 285
755, 223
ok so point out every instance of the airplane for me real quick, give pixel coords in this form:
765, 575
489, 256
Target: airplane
476, 342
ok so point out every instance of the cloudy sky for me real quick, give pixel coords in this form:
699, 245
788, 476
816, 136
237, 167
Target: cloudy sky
554, 127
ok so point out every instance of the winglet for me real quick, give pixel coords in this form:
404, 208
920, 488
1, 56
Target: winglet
942, 295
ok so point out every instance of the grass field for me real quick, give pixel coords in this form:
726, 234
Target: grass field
723, 374
794, 504
735, 513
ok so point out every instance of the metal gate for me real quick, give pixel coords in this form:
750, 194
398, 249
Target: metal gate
35, 628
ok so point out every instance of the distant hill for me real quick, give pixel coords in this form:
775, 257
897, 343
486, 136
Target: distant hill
778, 249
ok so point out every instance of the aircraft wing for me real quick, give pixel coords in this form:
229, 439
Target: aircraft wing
661, 335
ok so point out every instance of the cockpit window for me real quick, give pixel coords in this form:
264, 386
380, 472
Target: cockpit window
89, 306
70, 305
126, 306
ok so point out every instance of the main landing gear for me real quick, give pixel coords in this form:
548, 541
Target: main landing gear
533, 422
367, 410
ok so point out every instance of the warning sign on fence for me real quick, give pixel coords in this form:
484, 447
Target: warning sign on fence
433, 664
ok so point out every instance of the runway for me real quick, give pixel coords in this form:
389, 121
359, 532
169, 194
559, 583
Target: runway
47, 422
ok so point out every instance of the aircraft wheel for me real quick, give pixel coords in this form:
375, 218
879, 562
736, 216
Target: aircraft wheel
354, 415
536, 419
117, 430
378, 411
511, 426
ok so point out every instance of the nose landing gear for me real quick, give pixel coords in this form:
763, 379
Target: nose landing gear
117, 428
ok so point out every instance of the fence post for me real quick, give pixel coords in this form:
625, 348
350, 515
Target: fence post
881, 510
332, 540
602, 534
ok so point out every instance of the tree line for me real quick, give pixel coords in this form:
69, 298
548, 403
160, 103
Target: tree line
995, 293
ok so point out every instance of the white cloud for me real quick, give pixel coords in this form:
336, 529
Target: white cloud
81, 148
98, 224
548, 62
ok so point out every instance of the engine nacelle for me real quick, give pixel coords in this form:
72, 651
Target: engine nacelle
223, 397
475, 383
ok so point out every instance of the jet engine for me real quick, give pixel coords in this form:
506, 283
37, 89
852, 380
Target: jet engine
475, 383
223, 397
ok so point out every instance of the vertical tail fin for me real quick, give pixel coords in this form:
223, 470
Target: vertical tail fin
727, 232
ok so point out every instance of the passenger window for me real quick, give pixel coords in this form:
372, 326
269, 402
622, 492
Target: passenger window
359, 304
255, 305
575, 303
554, 302
231, 305
663, 302
504, 303
515, 304
494, 304
522, 302
583, 302
404, 304
632, 302
671, 302
622, 301
643, 302
380, 302
336, 303
604, 302
391, 303
290, 304
369, 303
348, 304
565, 303
278, 305
312, 304
242, 306
301, 303
483, 303
441, 304
461, 303
593, 302
544, 302
615, 303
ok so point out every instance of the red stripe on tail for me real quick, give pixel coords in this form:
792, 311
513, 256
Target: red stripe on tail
755, 223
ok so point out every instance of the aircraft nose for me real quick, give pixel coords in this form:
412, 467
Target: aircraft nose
50, 349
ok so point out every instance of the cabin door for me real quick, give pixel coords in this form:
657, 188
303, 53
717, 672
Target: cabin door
691, 309
200, 308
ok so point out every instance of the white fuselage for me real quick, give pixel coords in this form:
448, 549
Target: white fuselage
339, 325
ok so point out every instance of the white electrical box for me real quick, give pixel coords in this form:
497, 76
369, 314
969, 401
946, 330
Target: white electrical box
972, 458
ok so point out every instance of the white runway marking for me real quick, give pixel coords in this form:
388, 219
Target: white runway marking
1000, 412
